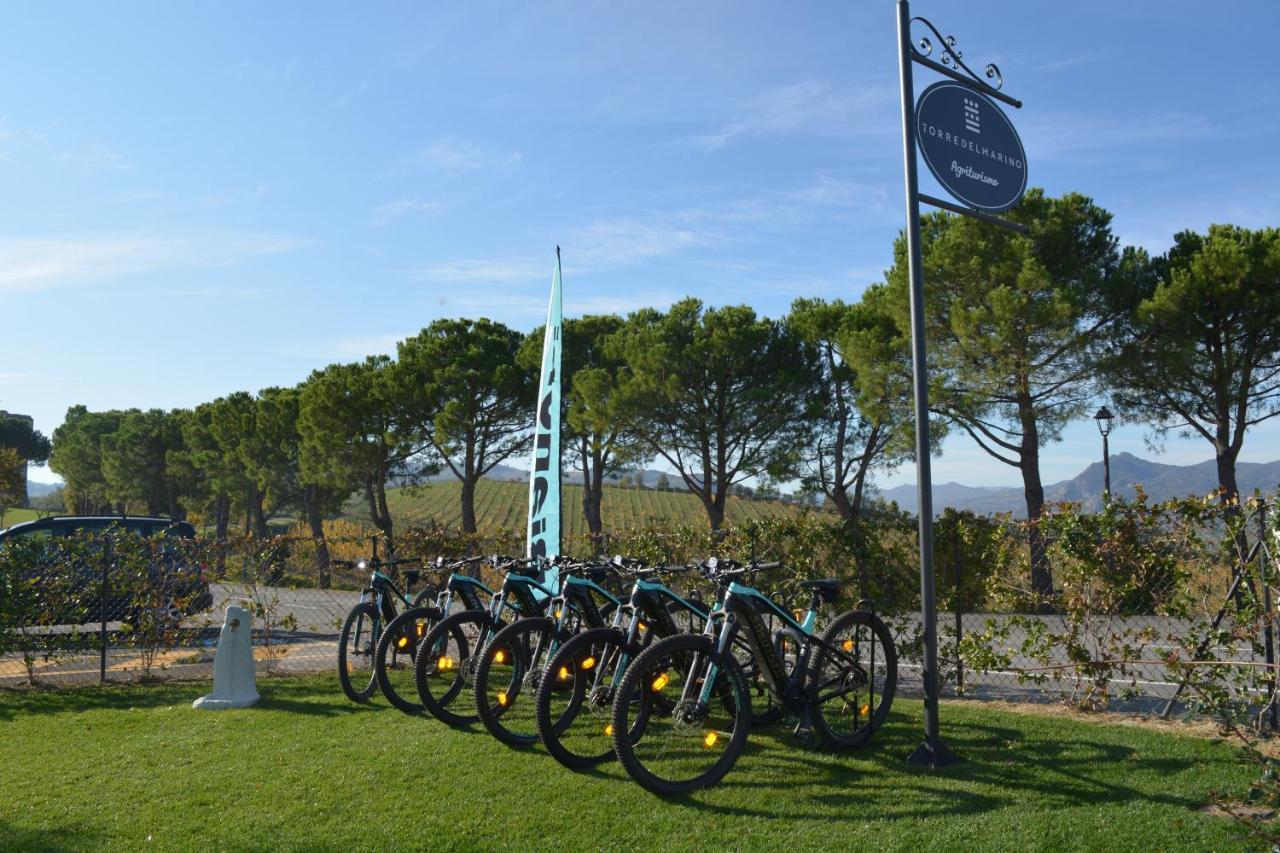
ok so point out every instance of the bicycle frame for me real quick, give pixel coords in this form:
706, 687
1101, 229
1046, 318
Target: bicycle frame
740, 612
648, 600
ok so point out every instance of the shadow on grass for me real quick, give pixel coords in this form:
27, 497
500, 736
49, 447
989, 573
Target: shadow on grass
313, 697
45, 840
1002, 767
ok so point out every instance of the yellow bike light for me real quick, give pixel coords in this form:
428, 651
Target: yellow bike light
710, 738
660, 682
563, 674
587, 662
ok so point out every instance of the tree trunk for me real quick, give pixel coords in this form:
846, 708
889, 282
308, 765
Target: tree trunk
260, 531
592, 492
388, 533
840, 500
1228, 489
1033, 491
468, 498
221, 525
715, 511
312, 507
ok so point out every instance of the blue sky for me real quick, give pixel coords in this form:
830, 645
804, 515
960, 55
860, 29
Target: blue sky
202, 198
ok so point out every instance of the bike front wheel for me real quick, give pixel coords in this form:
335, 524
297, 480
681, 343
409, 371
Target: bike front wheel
356, 646
445, 665
510, 671
697, 713
574, 705
397, 651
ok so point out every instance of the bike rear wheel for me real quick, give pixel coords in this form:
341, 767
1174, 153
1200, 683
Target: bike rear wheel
852, 678
697, 713
445, 665
356, 645
393, 663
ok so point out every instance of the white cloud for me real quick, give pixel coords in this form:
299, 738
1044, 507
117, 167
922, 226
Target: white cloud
1085, 58
1067, 135
29, 264
251, 70
621, 242
809, 104
471, 270
459, 157
94, 158
385, 214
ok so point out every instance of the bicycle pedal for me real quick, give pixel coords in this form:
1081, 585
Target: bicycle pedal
805, 736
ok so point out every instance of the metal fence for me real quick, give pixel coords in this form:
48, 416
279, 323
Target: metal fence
126, 608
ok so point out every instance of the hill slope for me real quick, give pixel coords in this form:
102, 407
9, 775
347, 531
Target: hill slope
1160, 481
504, 505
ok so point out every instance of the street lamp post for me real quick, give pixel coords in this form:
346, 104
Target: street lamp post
1103, 419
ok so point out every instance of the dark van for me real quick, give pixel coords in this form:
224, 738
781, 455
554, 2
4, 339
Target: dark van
186, 589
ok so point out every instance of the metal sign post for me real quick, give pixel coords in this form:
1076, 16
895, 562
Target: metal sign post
987, 175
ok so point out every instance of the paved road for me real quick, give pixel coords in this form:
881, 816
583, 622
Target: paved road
316, 616
1149, 637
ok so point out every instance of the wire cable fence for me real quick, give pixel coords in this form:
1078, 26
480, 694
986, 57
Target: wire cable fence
1152, 604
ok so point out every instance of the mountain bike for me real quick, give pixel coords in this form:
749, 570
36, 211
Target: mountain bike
574, 705
513, 665
362, 629
446, 666
682, 712
397, 648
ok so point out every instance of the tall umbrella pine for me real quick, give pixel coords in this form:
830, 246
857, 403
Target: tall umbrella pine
1197, 351
1015, 323
470, 398
357, 428
863, 372
720, 394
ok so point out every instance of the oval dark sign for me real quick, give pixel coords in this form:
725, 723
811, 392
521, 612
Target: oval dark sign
970, 146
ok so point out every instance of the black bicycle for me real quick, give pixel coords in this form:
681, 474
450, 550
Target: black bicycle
446, 663
574, 702
363, 627
514, 664
397, 648
682, 712
574, 705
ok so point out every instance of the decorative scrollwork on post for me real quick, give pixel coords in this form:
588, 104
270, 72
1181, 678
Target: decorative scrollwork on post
953, 58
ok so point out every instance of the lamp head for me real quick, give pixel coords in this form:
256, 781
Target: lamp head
1104, 419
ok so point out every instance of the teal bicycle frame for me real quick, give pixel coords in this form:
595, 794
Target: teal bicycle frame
743, 602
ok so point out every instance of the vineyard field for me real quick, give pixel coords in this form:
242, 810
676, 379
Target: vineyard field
504, 505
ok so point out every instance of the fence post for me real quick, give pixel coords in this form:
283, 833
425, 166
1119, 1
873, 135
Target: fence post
107, 556
1267, 631
955, 568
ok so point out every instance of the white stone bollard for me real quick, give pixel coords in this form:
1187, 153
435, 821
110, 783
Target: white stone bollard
233, 674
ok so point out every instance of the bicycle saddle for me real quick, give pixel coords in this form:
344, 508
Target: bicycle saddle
828, 588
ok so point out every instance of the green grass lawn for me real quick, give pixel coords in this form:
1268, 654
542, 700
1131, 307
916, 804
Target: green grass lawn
16, 515
119, 767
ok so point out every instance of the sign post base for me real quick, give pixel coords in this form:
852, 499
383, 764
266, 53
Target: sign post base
933, 756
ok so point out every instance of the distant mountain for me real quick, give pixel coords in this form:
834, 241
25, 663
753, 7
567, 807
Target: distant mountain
1158, 480
35, 489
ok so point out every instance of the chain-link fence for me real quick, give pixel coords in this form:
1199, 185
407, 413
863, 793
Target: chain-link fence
1142, 595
